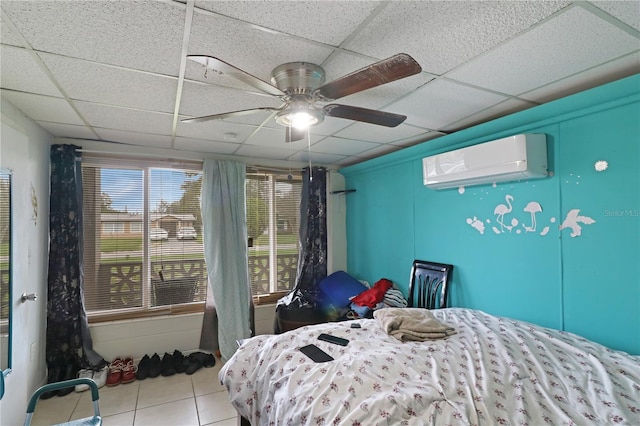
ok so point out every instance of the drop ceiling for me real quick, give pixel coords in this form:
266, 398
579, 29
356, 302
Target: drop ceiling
116, 71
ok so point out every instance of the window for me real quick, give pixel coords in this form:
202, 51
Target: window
273, 219
135, 263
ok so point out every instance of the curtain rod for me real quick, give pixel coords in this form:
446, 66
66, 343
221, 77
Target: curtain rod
139, 154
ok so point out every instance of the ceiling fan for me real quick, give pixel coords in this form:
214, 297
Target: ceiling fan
301, 86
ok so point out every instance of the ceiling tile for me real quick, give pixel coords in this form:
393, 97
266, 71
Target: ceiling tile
119, 118
507, 107
614, 70
626, 11
68, 130
442, 102
134, 138
276, 138
204, 99
21, 71
248, 48
200, 145
373, 133
315, 157
573, 41
427, 136
333, 145
442, 35
332, 22
270, 152
215, 130
7, 35
143, 34
110, 85
43, 108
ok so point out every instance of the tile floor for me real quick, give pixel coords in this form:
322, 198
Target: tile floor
181, 400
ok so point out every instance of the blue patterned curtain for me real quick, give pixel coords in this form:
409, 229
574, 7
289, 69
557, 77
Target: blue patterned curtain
312, 257
68, 346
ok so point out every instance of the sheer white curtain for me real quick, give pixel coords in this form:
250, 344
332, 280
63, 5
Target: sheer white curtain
225, 249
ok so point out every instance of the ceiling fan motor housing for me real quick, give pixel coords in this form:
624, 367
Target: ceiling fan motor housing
298, 78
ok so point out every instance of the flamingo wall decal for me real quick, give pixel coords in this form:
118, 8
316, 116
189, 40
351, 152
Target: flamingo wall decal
501, 210
533, 207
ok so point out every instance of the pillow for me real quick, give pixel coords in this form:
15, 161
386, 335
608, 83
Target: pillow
339, 287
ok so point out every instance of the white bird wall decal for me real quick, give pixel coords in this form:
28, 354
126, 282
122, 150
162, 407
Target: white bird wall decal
573, 220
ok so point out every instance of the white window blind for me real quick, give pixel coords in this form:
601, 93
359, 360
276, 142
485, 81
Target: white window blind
143, 251
273, 219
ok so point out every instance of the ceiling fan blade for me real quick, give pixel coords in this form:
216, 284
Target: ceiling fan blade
382, 72
222, 67
227, 115
294, 134
366, 115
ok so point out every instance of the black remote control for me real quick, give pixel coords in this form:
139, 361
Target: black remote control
333, 339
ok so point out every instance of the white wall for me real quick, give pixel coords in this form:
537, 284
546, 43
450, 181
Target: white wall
24, 148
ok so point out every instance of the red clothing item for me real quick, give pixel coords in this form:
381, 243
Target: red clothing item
370, 298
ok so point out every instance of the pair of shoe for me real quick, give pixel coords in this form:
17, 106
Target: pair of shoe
98, 376
121, 370
61, 370
196, 360
149, 367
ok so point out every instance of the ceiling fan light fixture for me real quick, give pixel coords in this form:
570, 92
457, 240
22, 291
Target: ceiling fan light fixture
300, 117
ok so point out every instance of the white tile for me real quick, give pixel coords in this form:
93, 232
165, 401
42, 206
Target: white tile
109, 85
507, 107
68, 130
246, 47
442, 35
228, 422
113, 400
334, 145
442, 102
145, 35
569, 43
123, 419
57, 409
203, 145
134, 138
161, 390
20, 71
218, 130
7, 35
265, 152
316, 158
214, 407
619, 68
43, 108
276, 138
205, 380
120, 118
177, 413
626, 11
332, 23
381, 134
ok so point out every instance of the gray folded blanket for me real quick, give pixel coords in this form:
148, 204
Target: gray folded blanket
411, 324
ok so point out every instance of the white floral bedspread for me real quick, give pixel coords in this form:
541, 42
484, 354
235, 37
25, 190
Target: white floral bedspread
493, 371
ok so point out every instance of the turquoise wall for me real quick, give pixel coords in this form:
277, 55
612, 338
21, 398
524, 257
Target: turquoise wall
588, 284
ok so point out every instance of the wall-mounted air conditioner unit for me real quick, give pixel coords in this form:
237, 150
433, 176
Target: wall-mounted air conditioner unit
514, 158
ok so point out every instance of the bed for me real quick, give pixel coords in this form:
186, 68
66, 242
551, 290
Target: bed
491, 371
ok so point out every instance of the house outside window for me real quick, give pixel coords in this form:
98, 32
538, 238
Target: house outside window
143, 249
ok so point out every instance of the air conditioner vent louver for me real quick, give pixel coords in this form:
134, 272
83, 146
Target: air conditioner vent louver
513, 158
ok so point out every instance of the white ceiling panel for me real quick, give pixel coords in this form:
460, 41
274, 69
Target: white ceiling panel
427, 136
573, 41
119, 118
217, 130
331, 25
442, 102
142, 34
626, 11
134, 138
381, 134
442, 35
270, 152
112, 85
334, 145
7, 36
203, 99
616, 69
276, 138
246, 47
21, 71
68, 130
43, 108
202, 145
316, 157
503, 108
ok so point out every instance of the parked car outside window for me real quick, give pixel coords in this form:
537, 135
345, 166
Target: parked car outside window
158, 234
187, 233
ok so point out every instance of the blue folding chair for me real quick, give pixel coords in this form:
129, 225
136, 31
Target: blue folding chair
96, 420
